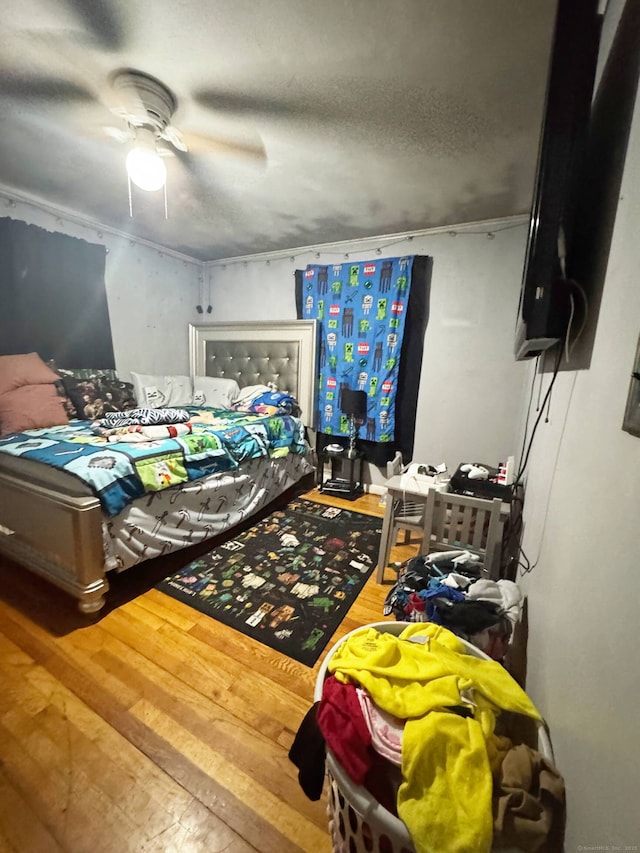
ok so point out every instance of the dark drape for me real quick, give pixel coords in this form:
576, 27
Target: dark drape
409, 369
53, 298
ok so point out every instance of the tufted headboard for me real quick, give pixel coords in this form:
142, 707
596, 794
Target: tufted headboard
255, 353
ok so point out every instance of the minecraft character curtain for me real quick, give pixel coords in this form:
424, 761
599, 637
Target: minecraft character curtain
362, 310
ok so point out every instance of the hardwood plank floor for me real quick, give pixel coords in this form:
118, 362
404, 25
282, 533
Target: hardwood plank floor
152, 727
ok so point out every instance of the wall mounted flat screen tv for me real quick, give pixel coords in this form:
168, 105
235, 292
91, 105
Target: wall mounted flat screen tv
545, 305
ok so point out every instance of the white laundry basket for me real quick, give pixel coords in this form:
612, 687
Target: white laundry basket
357, 821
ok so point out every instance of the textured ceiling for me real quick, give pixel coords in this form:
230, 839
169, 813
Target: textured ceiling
377, 117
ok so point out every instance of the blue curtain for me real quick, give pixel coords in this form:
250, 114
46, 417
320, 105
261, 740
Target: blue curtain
361, 309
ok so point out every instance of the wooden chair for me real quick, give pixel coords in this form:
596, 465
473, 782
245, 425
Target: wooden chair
407, 514
444, 521
456, 522
404, 511
409, 517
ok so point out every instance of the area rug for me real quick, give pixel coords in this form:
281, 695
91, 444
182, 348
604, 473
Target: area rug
289, 580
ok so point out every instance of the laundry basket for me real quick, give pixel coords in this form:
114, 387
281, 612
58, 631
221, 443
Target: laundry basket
358, 823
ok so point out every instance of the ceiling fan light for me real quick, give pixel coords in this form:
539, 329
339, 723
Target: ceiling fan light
146, 168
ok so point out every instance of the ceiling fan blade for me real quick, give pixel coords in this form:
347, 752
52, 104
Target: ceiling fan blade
174, 136
200, 143
202, 183
120, 134
241, 104
37, 87
67, 53
100, 21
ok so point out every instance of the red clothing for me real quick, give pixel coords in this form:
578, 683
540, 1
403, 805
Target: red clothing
344, 728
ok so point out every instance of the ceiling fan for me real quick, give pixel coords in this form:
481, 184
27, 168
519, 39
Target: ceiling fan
144, 104
81, 53
146, 107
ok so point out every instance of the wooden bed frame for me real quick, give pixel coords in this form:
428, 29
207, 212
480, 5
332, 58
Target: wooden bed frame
56, 530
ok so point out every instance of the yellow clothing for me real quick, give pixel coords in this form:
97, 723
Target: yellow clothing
445, 796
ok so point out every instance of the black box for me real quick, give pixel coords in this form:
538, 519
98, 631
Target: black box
462, 485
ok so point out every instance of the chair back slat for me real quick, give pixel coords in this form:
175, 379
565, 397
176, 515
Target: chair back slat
456, 522
466, 529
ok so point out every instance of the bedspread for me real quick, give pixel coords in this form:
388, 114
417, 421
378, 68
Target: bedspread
118, 473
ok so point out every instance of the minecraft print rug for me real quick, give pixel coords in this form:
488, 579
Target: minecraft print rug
289, 580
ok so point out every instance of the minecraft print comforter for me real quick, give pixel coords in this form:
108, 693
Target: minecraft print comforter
118, 473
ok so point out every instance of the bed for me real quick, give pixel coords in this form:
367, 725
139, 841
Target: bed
54, 524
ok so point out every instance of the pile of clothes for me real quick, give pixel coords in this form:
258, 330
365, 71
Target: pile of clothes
447, 588
143, 425
415, 719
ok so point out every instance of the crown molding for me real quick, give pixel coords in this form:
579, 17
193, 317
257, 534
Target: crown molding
14, 197
361, 244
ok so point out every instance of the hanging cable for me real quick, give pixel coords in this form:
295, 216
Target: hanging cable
585, 315
200, 295
547, 416
525, 567
526, 423
540, 382
523, 463
511, 541
568, 335
531, 567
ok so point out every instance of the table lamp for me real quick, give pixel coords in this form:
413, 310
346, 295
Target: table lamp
354, 404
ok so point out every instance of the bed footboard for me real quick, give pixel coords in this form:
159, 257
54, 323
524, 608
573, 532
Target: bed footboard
56, 536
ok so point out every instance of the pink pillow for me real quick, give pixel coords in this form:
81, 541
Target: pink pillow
27, 369
31, 407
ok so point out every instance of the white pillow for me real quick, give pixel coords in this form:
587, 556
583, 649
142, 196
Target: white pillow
247, 394
214, 392
156, 392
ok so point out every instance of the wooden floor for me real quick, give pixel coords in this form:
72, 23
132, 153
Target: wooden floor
154, 727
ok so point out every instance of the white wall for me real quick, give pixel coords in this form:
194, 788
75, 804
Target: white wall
151, 293
582, 524
471, 387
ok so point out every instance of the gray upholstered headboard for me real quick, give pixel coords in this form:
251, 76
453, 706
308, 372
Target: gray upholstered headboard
255, 353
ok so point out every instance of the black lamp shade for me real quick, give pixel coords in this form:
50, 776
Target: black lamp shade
354, 403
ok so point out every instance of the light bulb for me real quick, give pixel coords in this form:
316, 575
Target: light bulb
146, 168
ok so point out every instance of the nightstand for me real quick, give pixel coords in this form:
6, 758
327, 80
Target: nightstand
340, 475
